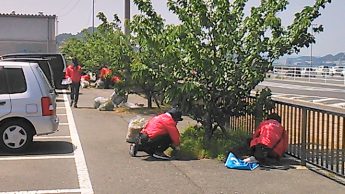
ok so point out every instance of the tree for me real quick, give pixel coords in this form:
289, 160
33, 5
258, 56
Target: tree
107, 45
225, 53
150, 58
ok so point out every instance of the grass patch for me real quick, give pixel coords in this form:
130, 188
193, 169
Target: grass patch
193, 145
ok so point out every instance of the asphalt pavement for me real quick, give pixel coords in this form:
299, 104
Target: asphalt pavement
111, 169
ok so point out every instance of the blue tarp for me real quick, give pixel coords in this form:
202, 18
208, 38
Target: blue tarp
234, 163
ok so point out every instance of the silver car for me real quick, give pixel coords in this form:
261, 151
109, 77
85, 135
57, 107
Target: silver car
27, 105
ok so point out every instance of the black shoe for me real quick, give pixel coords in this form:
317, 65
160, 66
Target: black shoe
161, 155
133, 149
75, 106
71, 103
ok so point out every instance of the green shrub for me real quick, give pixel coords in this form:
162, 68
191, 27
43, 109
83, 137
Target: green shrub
193, 145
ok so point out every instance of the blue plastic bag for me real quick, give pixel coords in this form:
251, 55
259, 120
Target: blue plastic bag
235, 163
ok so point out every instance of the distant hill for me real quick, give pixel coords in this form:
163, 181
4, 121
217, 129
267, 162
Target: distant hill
330, 60
65, 36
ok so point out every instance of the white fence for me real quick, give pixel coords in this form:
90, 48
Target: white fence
311, 74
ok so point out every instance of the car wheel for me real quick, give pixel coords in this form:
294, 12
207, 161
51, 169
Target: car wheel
16, 136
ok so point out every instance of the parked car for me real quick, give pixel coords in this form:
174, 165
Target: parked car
27, 105
293, 72
322, 70
337, 70
56, 61
44, 65
308, 71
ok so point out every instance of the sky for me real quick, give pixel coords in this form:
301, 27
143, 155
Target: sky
75, 15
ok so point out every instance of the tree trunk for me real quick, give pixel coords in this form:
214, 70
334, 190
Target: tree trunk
208, 129
149, 100
157, 103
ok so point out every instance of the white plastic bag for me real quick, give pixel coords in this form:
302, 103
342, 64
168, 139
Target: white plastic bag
135, 125
98, 101
107, 106
66, 81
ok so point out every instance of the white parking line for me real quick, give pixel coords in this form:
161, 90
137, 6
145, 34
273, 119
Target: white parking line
45, 191
83, 174
34, 157
52, 137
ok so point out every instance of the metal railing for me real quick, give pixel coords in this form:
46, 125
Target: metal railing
316, 136
310, 74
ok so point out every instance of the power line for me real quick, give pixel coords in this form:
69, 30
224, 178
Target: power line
70, 10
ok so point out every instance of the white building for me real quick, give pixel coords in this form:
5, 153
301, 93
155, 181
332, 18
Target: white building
27, 33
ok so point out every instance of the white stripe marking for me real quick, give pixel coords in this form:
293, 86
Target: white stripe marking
64, 124
83, 174
34, 157
61, 114
324, 100
342, 105
52, 137
44, 191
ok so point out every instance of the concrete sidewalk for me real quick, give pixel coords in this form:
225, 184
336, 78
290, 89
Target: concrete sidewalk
112, 170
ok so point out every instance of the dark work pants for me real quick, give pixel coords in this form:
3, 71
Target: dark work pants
151, 146
75, 92
261, 152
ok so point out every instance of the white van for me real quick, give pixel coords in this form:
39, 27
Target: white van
27, 105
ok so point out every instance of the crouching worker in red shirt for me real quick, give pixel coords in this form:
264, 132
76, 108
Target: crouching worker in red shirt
270, 139
159, 134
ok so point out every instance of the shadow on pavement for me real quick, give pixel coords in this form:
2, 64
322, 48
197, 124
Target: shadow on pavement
84, 107
44, 148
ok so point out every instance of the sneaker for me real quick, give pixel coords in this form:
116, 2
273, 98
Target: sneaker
161, 155
133, 149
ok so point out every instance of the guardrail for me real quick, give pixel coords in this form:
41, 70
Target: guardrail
316, 136
311, 74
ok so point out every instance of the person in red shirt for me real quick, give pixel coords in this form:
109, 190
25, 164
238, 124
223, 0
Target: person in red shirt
270, 140
104, 72
159, 134
73, 72
105, 75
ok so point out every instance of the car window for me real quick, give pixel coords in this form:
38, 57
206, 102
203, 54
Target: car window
16, 80
41, 74
3, 83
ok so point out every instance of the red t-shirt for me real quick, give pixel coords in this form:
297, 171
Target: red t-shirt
161, 125
74, 73
104, 72
269, 133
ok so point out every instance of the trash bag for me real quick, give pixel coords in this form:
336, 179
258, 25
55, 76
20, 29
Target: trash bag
66, 81
107, 106
98, 101
233, 162
135, 125
84, 84
99, 83
116, 99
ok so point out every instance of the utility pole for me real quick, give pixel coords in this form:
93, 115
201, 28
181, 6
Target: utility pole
127, 15
93, 16
311, 51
